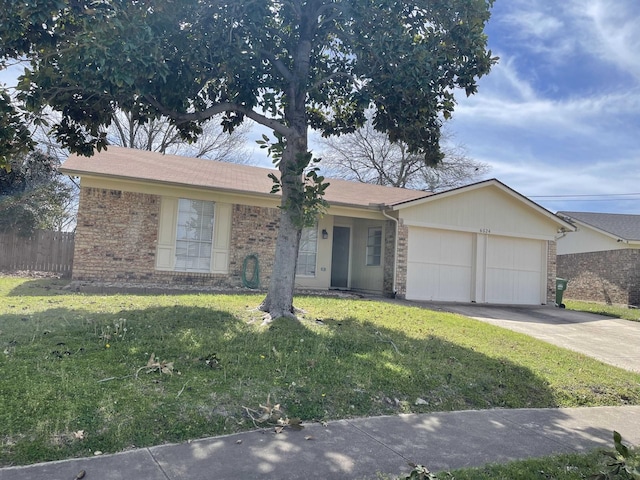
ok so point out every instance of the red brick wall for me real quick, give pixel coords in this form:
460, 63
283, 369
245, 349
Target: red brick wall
117, 233
389, 257
253, 230
551, 272
611, 277
403, 251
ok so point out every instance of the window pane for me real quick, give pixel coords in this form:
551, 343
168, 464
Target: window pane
194, 235
307, 252
374, 246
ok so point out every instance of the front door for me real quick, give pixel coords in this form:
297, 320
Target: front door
340, 257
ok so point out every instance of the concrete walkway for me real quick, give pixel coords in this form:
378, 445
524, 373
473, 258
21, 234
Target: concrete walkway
610, 340
360, 449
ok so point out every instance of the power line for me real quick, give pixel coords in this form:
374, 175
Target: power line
586, 195
593, 200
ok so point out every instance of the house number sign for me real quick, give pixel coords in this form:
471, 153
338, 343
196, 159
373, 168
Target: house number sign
485, 230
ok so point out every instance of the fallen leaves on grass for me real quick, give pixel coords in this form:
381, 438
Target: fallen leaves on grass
155, 365
273, 415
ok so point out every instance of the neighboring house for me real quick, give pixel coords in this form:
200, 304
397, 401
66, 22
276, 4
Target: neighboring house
601, 259
150, 219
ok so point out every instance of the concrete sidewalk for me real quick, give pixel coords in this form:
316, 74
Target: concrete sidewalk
360, 448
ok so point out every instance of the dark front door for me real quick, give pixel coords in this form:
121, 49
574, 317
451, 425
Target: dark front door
340, 257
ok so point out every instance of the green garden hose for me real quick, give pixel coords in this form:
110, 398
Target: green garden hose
254, 282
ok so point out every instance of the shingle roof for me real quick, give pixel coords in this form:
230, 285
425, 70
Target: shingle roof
125, 163
625, 226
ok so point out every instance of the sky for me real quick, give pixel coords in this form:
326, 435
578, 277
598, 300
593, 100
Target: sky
558, 118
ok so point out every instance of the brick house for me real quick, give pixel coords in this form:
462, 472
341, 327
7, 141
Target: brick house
601, 259
160, 220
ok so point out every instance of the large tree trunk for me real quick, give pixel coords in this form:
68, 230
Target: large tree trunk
279, 300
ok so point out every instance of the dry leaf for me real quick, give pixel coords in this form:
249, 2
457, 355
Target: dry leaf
167, 368
79, 435
279, 429
295, 423
152, 361
155, 364
238, 442
309, 437
80, 475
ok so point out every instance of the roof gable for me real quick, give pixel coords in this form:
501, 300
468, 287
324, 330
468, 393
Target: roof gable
480, 190
140, 165
623, 226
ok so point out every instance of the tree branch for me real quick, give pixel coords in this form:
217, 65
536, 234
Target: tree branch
284, 71
223, 107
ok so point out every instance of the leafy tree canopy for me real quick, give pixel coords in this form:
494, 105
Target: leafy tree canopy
33, 194
290, 65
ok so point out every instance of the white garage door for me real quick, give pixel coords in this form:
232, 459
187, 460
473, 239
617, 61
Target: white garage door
439, 265
449, 266
515, 270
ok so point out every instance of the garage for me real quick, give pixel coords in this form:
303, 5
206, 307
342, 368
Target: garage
450, 266
481, 243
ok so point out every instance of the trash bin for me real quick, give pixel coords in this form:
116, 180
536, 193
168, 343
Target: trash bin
561, 286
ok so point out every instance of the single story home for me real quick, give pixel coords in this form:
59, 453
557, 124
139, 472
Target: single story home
151, 219
601, 259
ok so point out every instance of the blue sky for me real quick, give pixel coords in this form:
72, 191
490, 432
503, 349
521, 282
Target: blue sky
558, 118
560, 113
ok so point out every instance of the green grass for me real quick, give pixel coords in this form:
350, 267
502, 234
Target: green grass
556, 467
617, 311
69, 366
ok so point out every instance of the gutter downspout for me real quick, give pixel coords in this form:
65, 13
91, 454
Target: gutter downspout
395, 251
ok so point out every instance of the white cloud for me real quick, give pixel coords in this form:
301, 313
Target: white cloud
612, 33
505, 98
538, 27
551, 182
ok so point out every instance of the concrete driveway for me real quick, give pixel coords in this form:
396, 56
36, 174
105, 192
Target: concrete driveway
610, 340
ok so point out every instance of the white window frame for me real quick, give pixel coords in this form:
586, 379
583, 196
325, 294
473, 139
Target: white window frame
374, 247
194, 239
308, 251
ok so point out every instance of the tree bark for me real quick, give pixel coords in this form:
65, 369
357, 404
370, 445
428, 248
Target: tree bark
279, 300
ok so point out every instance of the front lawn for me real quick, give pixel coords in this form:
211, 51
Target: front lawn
82, 373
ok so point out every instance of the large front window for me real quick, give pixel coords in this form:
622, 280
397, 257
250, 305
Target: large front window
194, 236
307, 252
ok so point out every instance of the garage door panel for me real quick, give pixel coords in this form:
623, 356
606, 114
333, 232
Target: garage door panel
438, 282
514, 254
439, 265
513, 287
514, 270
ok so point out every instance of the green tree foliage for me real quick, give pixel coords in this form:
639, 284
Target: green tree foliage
33, 194
15, 137
289, 65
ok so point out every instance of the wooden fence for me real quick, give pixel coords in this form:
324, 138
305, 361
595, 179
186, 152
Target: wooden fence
44, 251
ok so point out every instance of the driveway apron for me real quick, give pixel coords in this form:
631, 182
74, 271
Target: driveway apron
610, 340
